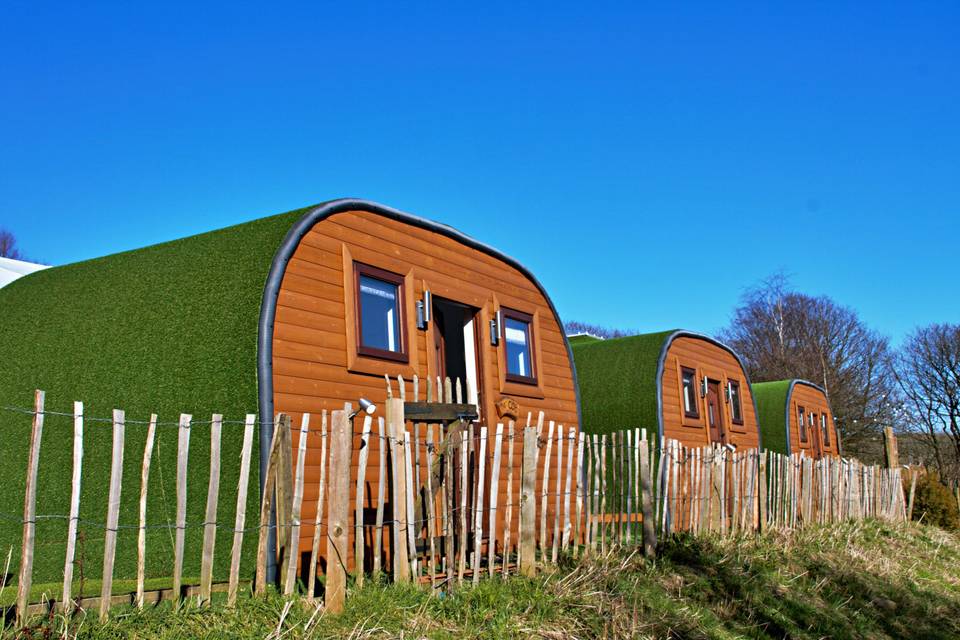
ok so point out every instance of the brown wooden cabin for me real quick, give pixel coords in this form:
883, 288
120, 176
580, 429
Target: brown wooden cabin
795, 416
688, 386
359, 291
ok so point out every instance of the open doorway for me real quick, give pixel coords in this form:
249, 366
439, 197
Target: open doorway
456, 338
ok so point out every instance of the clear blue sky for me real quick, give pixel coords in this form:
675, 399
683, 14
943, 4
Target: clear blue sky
646, 163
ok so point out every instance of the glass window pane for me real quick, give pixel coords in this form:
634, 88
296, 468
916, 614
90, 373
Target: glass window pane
689, 392
735, 408
380, 314
517, 335
825, 428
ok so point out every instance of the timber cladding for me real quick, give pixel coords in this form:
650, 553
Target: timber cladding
638, 381
715, 363
316, 363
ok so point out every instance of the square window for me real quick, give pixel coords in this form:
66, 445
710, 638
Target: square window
690, 405
518, 346
802, 419
380, 313
736, 406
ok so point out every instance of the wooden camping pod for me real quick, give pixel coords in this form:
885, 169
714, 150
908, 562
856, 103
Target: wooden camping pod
692, 387
317, 360
783, 404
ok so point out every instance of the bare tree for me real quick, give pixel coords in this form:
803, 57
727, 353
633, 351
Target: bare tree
575, 326
928, 373
781, 333
8, 245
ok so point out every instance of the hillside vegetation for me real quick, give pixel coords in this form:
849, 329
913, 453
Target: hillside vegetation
853, 580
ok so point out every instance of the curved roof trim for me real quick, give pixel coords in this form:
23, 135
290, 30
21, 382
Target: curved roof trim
268, 307
680, 333
786, 409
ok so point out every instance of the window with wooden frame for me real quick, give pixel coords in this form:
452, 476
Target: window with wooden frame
825, 428
736, 403
380, 313
517, 335
688, 387
802, 421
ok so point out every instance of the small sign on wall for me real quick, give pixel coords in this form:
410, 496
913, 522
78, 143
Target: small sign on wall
508, 408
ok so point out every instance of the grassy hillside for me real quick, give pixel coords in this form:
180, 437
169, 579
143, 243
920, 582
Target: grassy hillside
851, 580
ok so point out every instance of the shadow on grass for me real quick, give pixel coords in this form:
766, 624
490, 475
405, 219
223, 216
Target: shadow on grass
775, 596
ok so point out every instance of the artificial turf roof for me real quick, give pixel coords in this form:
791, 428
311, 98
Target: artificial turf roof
618, 381
167, 329
771, 399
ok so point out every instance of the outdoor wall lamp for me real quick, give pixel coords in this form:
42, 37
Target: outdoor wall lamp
495, 330
365, 407
423, 309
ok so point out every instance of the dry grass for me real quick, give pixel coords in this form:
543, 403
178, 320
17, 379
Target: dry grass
866, 579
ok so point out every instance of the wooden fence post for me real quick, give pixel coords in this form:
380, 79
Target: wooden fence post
293, 551
241, 515
508, 515
358, 560
410, 520
318, 520
284, 489
183, 453
142, 531
266, 506
557, 500
341, 441
65, 601
578, 538
30, 511
381, 494
478, 522
210, 519
544, 493
528, 503
398, 495
567, 488
494, 496
464, 490
647, 502
891, 451
113, 513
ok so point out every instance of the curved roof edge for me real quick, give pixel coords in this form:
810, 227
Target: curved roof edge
682, 333
268, 306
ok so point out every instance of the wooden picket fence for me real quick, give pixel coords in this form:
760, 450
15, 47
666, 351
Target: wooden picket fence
727, 491
439, 498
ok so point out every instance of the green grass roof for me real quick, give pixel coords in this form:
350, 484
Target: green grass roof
772, 399
166, 329
582, 338
618, 382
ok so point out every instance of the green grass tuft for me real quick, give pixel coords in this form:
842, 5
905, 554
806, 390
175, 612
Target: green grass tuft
853, 580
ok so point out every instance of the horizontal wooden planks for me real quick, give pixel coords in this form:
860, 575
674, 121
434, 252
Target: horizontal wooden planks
712, 360
310, 343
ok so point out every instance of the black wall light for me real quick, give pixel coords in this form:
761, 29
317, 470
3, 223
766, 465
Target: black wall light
495, 330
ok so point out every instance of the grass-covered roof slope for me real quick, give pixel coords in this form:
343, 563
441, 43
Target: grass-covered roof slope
618, 381
772, 399
167, 329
